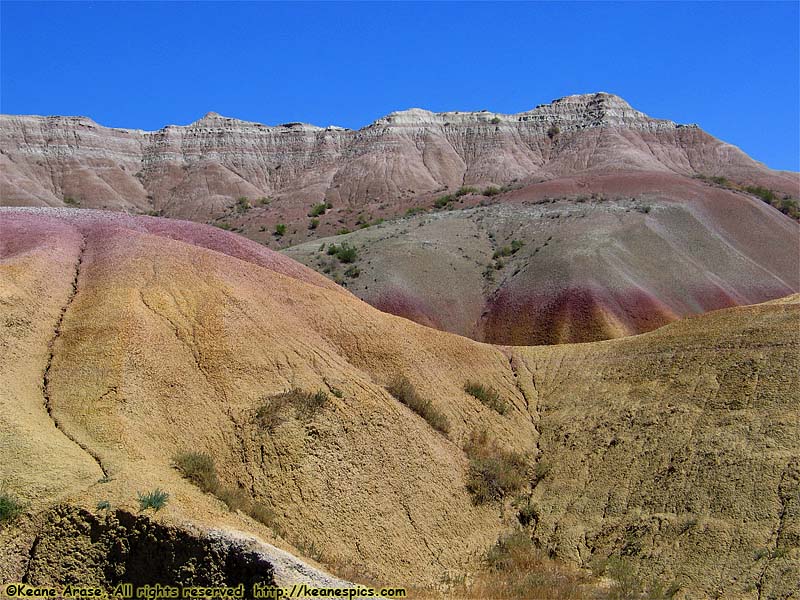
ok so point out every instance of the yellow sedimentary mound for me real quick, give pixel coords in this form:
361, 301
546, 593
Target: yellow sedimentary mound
122, 347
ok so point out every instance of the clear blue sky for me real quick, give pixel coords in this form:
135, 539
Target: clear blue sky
733, 68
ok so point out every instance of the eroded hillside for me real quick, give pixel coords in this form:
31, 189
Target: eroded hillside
128, 340
550, 264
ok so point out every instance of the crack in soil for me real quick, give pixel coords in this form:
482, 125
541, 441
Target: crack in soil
46, 377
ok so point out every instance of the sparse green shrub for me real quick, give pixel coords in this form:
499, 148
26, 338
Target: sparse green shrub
790, 207
343, 231
464, 190
265, 515
495, 121
344, 252
761, 553
155, 499
313, 224
318, 210
508, 250
414, 211
337, 392
264, 201
10, 506
515, 568
494, 473
487, 396
541, 470
280, 230
197, 467
502, 556
243, 204
403, 390
527, 513
627, 585
553, 131
234, 498
70, 201
272, 412
104, 505
443, 201
353, 272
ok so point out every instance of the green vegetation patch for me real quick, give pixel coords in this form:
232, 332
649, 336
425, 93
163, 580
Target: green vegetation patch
10, 507
155, 499
494, 473
403, 390
486, 395
344, 252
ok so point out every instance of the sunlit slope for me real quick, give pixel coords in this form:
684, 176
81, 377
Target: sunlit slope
677, 448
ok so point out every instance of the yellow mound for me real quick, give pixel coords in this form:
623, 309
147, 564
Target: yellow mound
678, 449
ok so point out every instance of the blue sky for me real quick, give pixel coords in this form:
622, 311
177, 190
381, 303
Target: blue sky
733, 68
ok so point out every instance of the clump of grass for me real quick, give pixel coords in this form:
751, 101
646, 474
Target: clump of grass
443, 201
10, 506
155, 499
494, 473
344, 252
313, 224
272, 413
353, 272
491, 191
280, 230
464, 190
515, 568
197, 467
508, 250
70, 201
403, 390
787, 205
414, 211
243, 204
318, 209
486, 395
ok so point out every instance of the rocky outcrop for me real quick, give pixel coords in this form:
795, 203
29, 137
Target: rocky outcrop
198, 171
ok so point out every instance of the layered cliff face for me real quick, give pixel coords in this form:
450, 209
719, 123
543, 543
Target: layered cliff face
198, 171
633, 241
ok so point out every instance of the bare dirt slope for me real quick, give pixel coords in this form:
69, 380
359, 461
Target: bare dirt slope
126, 340
558, 262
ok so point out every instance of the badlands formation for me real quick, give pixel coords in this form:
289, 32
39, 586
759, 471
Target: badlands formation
128, 340
620, 233
322, 357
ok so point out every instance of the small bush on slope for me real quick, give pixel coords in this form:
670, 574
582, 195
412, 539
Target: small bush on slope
402, 389
494, 473
273, 410
10, 507
514, 568
487, 396
199, 468
156, 499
